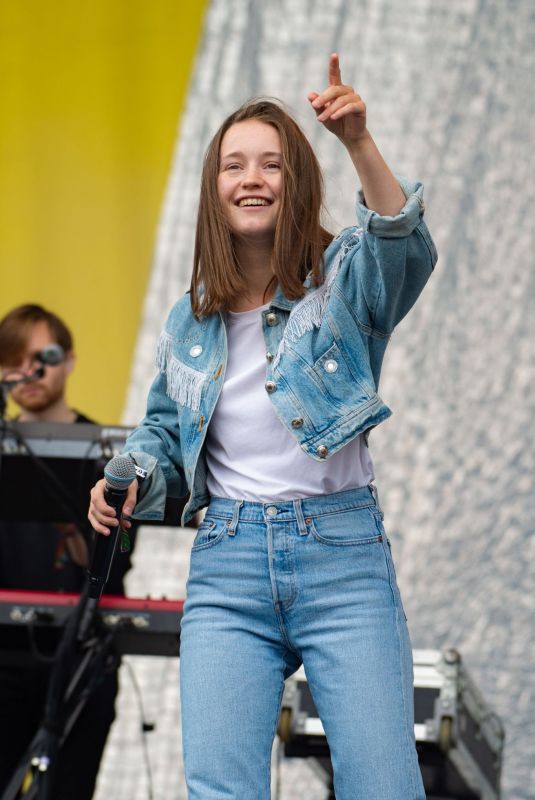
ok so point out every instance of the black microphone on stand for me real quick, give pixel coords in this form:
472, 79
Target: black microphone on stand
52, 354
6, 385
9, 383
119, 474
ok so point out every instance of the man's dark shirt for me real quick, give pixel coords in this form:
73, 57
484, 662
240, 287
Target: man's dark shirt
34, 556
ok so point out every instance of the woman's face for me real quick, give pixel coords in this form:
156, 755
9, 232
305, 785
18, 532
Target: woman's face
249, 183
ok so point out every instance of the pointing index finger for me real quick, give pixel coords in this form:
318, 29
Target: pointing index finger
335, 76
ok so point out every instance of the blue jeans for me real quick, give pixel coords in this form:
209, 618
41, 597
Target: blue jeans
274, 585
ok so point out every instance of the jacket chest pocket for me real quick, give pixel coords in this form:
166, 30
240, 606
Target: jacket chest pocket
332, 373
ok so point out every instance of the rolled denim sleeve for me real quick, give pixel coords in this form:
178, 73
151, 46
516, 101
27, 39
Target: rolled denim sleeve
152, 490
403, 223
396, 257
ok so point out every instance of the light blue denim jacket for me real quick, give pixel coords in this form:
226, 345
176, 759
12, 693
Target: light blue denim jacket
323, 356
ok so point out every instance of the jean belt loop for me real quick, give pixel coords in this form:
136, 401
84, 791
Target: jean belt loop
232, 525
298, 509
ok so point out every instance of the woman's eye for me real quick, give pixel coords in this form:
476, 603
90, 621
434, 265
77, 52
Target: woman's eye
273, 165
233, 167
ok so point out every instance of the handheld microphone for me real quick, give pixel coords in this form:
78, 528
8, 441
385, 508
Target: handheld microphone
119, 474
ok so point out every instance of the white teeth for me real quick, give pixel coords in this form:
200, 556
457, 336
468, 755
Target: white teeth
253, 201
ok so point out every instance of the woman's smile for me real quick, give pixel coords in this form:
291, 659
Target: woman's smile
250, 178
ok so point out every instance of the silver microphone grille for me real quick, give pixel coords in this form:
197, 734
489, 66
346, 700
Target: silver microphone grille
51, 354
120, 472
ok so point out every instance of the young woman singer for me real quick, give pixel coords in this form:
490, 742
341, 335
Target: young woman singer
266, 393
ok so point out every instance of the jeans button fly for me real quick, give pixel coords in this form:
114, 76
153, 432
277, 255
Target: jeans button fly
271, 511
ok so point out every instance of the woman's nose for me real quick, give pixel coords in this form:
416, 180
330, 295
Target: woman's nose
252, 176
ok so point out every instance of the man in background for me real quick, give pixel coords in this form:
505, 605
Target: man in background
36, 349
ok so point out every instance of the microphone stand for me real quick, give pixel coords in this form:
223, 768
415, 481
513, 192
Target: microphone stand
3, 401
5, 388
79, 663
76, 672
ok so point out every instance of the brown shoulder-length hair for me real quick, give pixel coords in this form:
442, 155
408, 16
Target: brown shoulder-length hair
300, 239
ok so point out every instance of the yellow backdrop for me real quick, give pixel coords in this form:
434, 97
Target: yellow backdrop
91, 99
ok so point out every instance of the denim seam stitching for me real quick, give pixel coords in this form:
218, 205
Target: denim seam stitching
343, 542
357, 412
343, 510
400, 657
274, 593
409, 736
277, 715
211, 542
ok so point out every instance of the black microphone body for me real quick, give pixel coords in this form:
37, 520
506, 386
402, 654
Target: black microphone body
105, 546
119, 474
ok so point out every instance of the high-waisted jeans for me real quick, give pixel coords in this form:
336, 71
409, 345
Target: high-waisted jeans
274, 585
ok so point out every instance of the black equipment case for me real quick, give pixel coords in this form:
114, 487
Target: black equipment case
458, 738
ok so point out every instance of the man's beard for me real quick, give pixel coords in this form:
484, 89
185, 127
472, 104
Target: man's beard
37, 398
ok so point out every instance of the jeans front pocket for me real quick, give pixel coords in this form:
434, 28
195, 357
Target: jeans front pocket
210, 533
356, 526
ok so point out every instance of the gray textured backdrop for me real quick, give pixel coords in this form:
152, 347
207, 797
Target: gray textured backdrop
449, 90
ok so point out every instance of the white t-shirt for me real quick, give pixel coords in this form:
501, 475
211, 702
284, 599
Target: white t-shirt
250, 454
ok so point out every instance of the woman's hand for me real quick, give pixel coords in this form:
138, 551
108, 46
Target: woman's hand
343, 112
339, 107
102, 516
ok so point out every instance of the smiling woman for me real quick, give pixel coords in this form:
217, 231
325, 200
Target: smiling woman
250, 187
281, 169
269, 371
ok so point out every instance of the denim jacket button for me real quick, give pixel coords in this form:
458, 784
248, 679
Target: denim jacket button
331, 365
322, 451
271, 319
196, 350
269, 356
297, 422
270, 387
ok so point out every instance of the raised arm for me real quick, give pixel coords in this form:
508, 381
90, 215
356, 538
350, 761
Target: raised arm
343, 112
